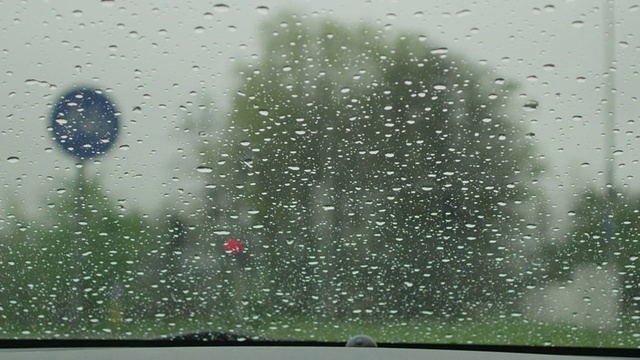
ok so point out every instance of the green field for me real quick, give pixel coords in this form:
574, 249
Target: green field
502, 331
498, 332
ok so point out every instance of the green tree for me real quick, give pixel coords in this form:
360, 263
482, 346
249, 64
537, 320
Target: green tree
385, 172
588, 243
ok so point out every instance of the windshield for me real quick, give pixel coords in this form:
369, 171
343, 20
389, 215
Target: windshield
420, 172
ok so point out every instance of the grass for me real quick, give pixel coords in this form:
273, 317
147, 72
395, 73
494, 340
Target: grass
499, 331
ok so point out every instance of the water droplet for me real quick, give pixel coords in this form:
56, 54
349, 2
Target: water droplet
577, 24
530, 105
345, 90
328, 207
77, 13
408, 284
531, 226
618, 153
262, 10
440, 51
199, 30
204, 169
221, 8
263, 112
571, 213
13, 159
222, 232
440, 87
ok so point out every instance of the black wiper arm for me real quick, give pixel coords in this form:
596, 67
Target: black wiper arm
213, 336
194, 338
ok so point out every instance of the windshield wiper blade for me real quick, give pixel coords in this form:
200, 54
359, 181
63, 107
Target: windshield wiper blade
213, 336
192, 338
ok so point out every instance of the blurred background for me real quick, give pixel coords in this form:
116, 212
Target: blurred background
429, 172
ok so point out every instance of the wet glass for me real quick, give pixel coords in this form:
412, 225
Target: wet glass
421, 173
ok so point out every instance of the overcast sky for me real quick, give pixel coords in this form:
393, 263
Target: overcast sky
161, 58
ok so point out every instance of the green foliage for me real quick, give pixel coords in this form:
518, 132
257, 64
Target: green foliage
81, 252
589, 242
385, 172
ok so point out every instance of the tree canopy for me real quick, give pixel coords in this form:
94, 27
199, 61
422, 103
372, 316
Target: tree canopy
378, 167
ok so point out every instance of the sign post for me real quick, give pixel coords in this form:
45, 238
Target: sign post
85, 124
236, 250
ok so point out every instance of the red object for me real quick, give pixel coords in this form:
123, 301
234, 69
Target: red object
233, 246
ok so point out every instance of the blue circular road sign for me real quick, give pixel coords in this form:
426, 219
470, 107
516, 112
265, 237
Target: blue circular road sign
85, 123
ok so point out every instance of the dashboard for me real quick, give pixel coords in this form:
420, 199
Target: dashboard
284, 353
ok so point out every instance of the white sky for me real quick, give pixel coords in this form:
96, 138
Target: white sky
152, 57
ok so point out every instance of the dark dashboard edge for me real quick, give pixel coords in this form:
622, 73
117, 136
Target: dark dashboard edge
102, 343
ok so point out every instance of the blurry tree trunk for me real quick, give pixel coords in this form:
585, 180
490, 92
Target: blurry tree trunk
174, 277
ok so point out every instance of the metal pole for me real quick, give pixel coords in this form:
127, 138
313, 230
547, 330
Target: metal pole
80, 241
609, 125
